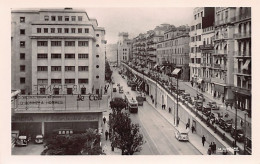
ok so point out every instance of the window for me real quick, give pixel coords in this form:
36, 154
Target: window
55, 68
56, 91
195, 17
22, 31
67, 18
97, 66
39, 30
22, 80
56, 81
56, 43
52, 30
97, 56
69, 43
45, 30
42, 68
59, 30
22, 56
42, 91
97, 77
22, 44
86, 30
73, 18
73, 30
42, 81
83, 43
42, 43
42, 56
81, 81
83, 68
59, 18
22, 19
55, 56
97, 45
79, 30
83, 56
79, 18
83, 91
66, 30
97, 35
69, 68
69, 81
69, 91
22, 68
70, 56
46, 18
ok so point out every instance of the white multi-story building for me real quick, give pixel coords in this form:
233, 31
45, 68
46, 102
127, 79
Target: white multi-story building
57, 51
124, 47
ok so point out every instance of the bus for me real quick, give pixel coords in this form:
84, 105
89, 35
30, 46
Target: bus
131, 103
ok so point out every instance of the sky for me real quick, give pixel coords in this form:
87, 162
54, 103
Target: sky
137, 20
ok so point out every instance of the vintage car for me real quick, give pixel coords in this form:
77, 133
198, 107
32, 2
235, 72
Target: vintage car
182, 135
121, 89
114, 89
240, 133
39, 139
225, 124
213, 105
22, 141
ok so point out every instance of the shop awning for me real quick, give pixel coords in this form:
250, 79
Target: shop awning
155, 66
140, 83
200, 80
245, 66
219, 88
176, 71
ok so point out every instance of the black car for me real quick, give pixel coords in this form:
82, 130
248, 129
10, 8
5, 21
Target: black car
206, 110
240, 133
225, 124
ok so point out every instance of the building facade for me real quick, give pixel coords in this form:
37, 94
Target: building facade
124, 49
57, 51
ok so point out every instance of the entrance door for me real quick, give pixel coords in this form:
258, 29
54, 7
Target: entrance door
69, 91
55, 91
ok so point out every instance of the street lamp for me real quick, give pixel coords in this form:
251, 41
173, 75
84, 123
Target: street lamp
175, 73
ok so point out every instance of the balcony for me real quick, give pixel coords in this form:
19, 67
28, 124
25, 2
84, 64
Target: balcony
220, 52
218, 80
242, 54
208, 65
242, 35
220, 37
151, 49
243, 17
206, 47
220, 66
242, 72
225, 21
203, 64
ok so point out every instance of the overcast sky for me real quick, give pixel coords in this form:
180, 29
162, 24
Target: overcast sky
137, 20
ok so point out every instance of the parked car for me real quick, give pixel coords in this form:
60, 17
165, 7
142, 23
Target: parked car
198, 104
121, 89
182, 135
240, 133
114, 89
213, 105
225, 124
206, 110
217, 116
200, 96
39, 139
22, 141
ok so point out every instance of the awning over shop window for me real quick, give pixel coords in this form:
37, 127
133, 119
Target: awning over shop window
140, 83
200, 81
176, 71
219, 88
245, 66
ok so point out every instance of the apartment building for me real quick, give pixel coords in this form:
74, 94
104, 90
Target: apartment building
57, 51
201, 17
242, 58
173, 51
124, 47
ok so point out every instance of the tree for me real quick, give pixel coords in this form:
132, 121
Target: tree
125, 134
75, 144
117, 104
108, 72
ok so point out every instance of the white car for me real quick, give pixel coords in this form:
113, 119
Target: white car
182, 135
39, 139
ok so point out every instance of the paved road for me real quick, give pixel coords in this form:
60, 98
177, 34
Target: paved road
30, 149
158, 132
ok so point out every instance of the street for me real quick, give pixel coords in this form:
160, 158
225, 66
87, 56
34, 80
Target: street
158, 133
30, 149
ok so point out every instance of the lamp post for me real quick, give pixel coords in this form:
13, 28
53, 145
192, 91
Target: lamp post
245, 135
175, 73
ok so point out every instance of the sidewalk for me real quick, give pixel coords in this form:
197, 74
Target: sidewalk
240, 113
194, 139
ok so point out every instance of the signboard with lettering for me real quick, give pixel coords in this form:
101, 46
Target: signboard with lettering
55, 117
62, 102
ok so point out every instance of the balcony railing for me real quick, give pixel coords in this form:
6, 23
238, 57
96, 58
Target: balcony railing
217, 80
242, 35
244, 71
203, 64
206, 47
243, 16
225, 21
242, 54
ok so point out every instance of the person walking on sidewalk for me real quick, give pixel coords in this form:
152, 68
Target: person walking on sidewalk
106, 134
203, 140
187, 125
192, 129
104, 120
214, 147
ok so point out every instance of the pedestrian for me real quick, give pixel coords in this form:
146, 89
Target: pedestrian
241, 122
214, 147
106, 134
211, 146
192, 129
109, 134
203, 140
209, 151
187, 125
104, 120
162, 106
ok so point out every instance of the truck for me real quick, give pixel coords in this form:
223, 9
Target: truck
131, 103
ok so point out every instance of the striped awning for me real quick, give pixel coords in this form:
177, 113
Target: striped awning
245, 66
176, 71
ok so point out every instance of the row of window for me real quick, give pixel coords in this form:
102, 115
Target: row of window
61, 18
196, 27
58, 56
58, 81
64, 30
58, 43
195, 38
58, 68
